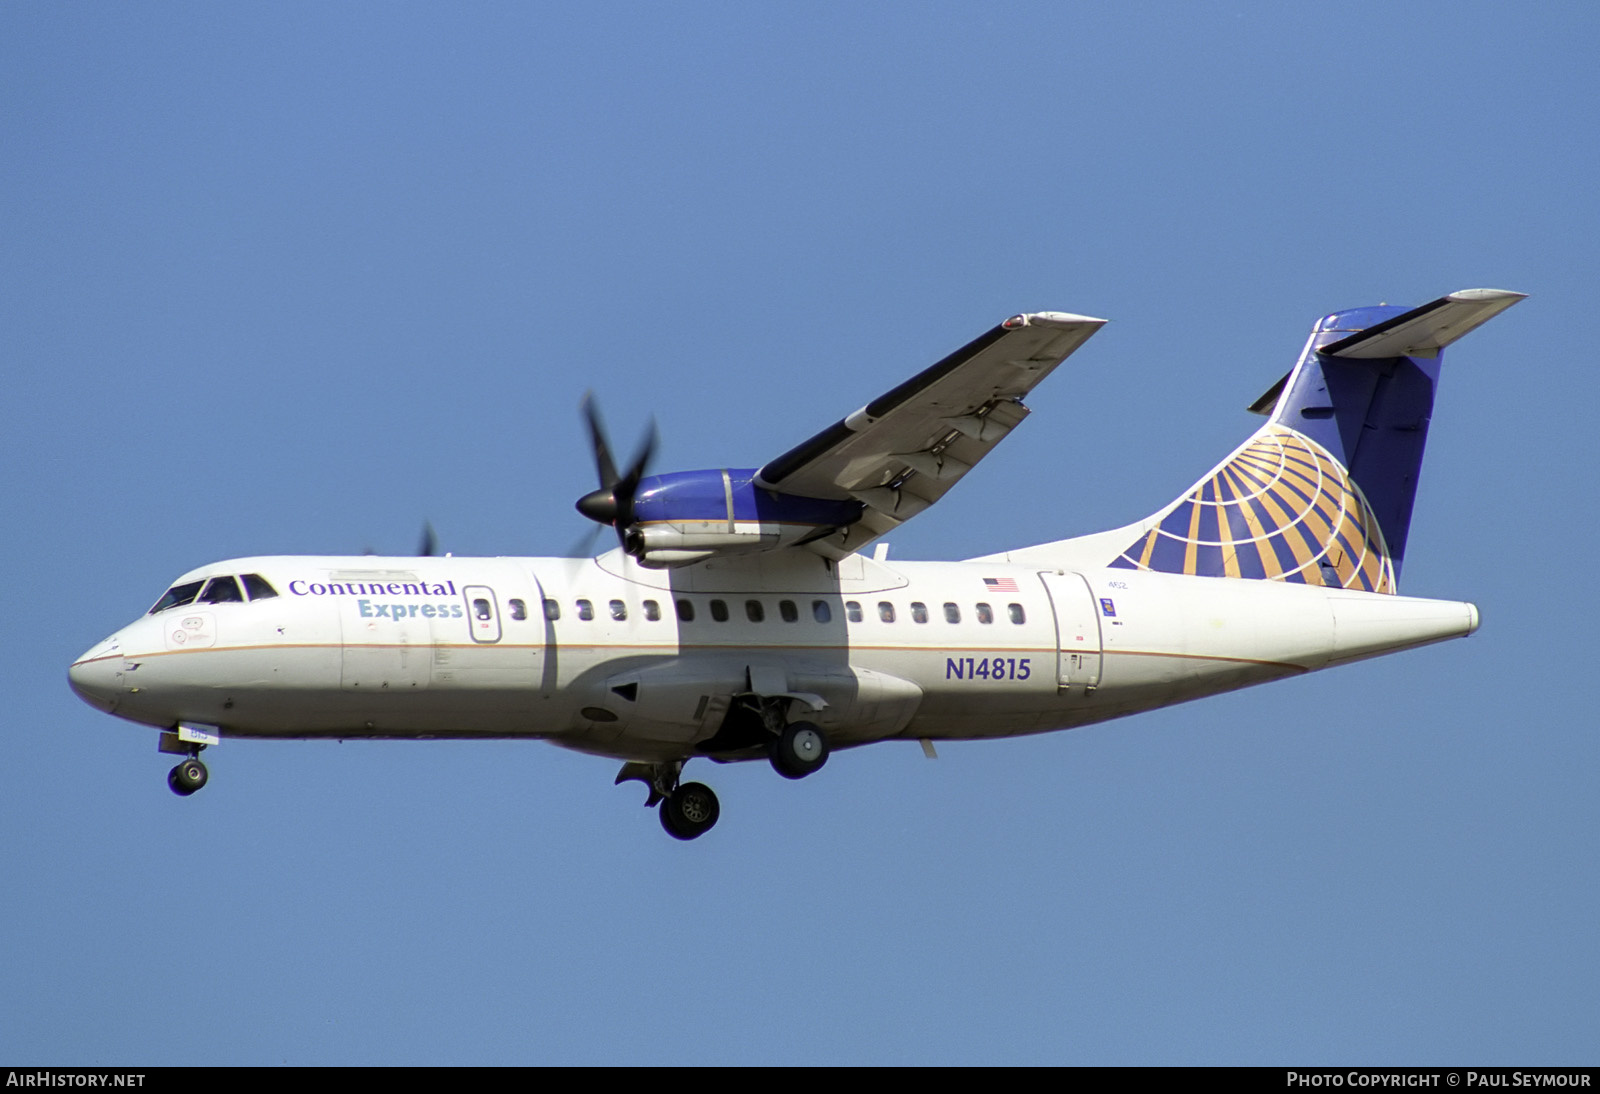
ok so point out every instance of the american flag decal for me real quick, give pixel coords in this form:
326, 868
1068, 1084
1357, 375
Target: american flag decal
1000, 584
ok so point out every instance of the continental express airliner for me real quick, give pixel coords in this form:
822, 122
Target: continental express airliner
747, 614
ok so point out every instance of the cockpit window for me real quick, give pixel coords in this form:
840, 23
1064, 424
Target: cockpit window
257, 587
222, 590
177, 596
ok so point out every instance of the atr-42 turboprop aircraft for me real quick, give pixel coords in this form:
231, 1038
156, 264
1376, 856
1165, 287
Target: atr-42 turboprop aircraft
739, 619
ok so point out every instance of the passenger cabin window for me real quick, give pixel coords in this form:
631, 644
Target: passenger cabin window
177, 596
652, 610
222, 590
788, 611
480, 608
585, 610
258, 587
1016, 613
519, 609
985, 614
686, 610
852, 611
821, 612
919, 612
719, 610
552, 609
619, 610
952, 613
886, 611
754, 611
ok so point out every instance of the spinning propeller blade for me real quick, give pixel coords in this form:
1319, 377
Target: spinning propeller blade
613, 503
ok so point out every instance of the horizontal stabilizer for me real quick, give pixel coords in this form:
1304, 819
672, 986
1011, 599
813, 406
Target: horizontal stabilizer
1424, 331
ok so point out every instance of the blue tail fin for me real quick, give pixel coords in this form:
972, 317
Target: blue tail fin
1322, 493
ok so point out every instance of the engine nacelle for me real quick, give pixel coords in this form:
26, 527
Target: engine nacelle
690, 516
679, 543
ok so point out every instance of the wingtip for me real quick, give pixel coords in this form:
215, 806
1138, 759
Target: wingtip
1051, 319
1487, 295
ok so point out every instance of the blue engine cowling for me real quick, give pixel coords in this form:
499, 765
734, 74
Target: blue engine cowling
688, 516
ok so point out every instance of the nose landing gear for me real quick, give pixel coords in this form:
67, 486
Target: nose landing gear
188, 777
187, 740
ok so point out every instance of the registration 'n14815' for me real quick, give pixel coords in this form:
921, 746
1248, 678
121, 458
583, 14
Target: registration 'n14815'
987, 668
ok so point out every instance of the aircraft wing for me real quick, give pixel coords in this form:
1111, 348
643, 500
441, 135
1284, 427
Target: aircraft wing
902, 451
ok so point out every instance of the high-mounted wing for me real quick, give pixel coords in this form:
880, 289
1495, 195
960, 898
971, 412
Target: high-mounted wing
900, 453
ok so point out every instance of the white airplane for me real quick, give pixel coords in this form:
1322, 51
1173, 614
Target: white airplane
739, 619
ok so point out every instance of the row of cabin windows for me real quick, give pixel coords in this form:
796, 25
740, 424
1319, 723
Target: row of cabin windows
618, 609
221, 590
755, 611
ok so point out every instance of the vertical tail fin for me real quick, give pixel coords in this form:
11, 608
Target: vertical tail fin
1322, 493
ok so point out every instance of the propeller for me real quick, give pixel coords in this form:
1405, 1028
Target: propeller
583, 547
425, 549
613, 503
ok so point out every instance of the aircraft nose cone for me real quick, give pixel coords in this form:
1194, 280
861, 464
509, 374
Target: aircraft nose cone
96, 676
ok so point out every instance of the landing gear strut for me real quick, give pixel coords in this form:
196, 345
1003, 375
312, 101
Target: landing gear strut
187, 740
688, 810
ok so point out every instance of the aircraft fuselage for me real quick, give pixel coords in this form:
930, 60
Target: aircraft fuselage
606, 656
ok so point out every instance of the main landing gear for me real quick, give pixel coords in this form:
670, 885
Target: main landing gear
798, 750
688, 810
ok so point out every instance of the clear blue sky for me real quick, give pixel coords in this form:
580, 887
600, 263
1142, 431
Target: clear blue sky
291, 278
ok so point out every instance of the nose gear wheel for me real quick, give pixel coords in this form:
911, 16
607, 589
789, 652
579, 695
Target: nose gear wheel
187, 777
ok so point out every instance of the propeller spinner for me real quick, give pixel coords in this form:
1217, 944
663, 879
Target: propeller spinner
613, 503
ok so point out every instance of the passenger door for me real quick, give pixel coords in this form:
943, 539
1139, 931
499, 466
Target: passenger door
503, 665
1077, 632
483, 613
